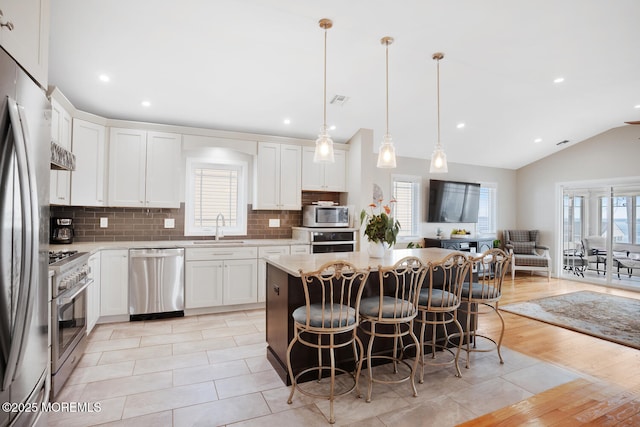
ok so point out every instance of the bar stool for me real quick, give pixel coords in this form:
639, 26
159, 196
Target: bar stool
438, 305
332, 299
480, 296
394, 309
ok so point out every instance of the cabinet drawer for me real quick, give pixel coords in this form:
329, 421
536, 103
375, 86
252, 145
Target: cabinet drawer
266, 251
206, 254
300, 249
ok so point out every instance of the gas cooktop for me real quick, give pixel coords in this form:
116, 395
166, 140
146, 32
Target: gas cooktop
56, 257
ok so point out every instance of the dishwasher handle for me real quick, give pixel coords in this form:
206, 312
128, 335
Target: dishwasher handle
156, 253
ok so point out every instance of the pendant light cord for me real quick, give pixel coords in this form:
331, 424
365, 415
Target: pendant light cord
438, 91
324, 89
387, 94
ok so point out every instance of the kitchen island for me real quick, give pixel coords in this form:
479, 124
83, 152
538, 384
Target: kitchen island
285, 294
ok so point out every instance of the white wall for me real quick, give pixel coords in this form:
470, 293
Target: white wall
504, 178
610, 155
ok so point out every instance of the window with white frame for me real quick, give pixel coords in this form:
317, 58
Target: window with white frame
488, 207
406, 192
214, 188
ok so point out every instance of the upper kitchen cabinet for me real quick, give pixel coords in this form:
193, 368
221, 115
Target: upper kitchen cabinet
144, 168
88, 179
278, 177
324, 176
24, 33
60, 188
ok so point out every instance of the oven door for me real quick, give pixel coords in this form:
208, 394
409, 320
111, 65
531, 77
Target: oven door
69, 322
326, 247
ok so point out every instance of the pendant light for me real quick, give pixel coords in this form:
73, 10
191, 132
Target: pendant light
438, 158
324, 144
387, 152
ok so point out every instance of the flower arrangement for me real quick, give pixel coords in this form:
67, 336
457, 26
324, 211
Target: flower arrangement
380, 227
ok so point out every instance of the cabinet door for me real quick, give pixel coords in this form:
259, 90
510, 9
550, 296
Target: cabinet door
267, 177
87, 181
290, 177
59, 186
264, 252
484, 245
335, 173
240, 281
312, 173
93, 293
114, 282
28, 42
163, 170
203, 284
127, 157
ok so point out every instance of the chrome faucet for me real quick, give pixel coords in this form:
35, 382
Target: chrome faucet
219, 232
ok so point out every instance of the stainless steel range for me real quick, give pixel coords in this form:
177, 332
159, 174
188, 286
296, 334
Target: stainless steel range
68, 313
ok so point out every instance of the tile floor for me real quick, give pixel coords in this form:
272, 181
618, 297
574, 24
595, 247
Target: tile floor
212, 370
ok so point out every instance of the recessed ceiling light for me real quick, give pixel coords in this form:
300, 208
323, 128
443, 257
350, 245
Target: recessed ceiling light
104, 78
558, 80
146, 104
537, 140
636, 106
332, 127
287, 121
460, 125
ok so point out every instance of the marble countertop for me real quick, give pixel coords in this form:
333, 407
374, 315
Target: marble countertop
292, 264
98, 246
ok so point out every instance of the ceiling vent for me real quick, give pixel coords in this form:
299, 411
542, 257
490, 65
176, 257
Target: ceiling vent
339, 100
562, 142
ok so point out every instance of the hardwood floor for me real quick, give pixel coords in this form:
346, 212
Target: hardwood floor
610, 397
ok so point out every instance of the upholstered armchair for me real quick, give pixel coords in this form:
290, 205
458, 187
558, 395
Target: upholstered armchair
527, 252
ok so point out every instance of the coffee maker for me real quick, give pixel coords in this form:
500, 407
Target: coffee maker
61, 230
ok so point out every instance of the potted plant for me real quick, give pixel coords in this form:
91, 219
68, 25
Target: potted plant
381, 228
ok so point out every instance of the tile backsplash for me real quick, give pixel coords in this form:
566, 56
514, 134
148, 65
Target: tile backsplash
136, 224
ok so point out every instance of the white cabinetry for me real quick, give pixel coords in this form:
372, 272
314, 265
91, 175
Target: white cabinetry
324, 176
93, 293
114, 282
220, 276
278, 177
300, 249
264, 252
144, 168
87, 181
59, 190
28, 40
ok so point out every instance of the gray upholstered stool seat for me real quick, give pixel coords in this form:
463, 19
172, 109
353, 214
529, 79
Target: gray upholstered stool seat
371, 307
341, 315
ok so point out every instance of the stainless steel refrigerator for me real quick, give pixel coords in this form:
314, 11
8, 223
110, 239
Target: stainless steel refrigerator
25, 135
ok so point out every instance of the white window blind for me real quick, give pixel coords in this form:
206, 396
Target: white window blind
212, 189
488, 207
406, 192
216, 191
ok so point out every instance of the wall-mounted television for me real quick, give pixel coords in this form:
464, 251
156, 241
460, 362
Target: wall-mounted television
452, 201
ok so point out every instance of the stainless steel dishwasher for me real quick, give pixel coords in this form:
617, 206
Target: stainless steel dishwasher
156, 283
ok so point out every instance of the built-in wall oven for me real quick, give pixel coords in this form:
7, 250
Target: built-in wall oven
68, 313
324, 240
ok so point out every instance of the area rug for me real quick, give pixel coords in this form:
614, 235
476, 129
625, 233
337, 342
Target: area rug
609, 317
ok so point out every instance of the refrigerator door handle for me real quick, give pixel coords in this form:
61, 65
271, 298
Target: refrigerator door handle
28, 273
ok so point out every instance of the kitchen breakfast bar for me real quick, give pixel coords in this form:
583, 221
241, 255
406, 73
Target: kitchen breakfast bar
285, 293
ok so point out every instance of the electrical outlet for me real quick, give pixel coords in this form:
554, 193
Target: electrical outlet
104, 222
169, 223
274, 222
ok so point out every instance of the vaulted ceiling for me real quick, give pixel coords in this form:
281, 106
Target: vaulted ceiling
247, 65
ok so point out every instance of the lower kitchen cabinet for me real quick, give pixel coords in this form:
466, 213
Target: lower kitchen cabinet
203, 284
220, 276
114, 282
93, 293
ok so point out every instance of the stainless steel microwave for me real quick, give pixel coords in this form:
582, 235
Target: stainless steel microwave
325, 216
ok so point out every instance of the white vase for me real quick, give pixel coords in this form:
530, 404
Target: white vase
377, 249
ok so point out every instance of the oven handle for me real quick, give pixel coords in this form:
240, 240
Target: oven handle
334, 242
66, 299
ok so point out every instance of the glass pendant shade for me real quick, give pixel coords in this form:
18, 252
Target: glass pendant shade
324, 148
387, 153
438, 161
